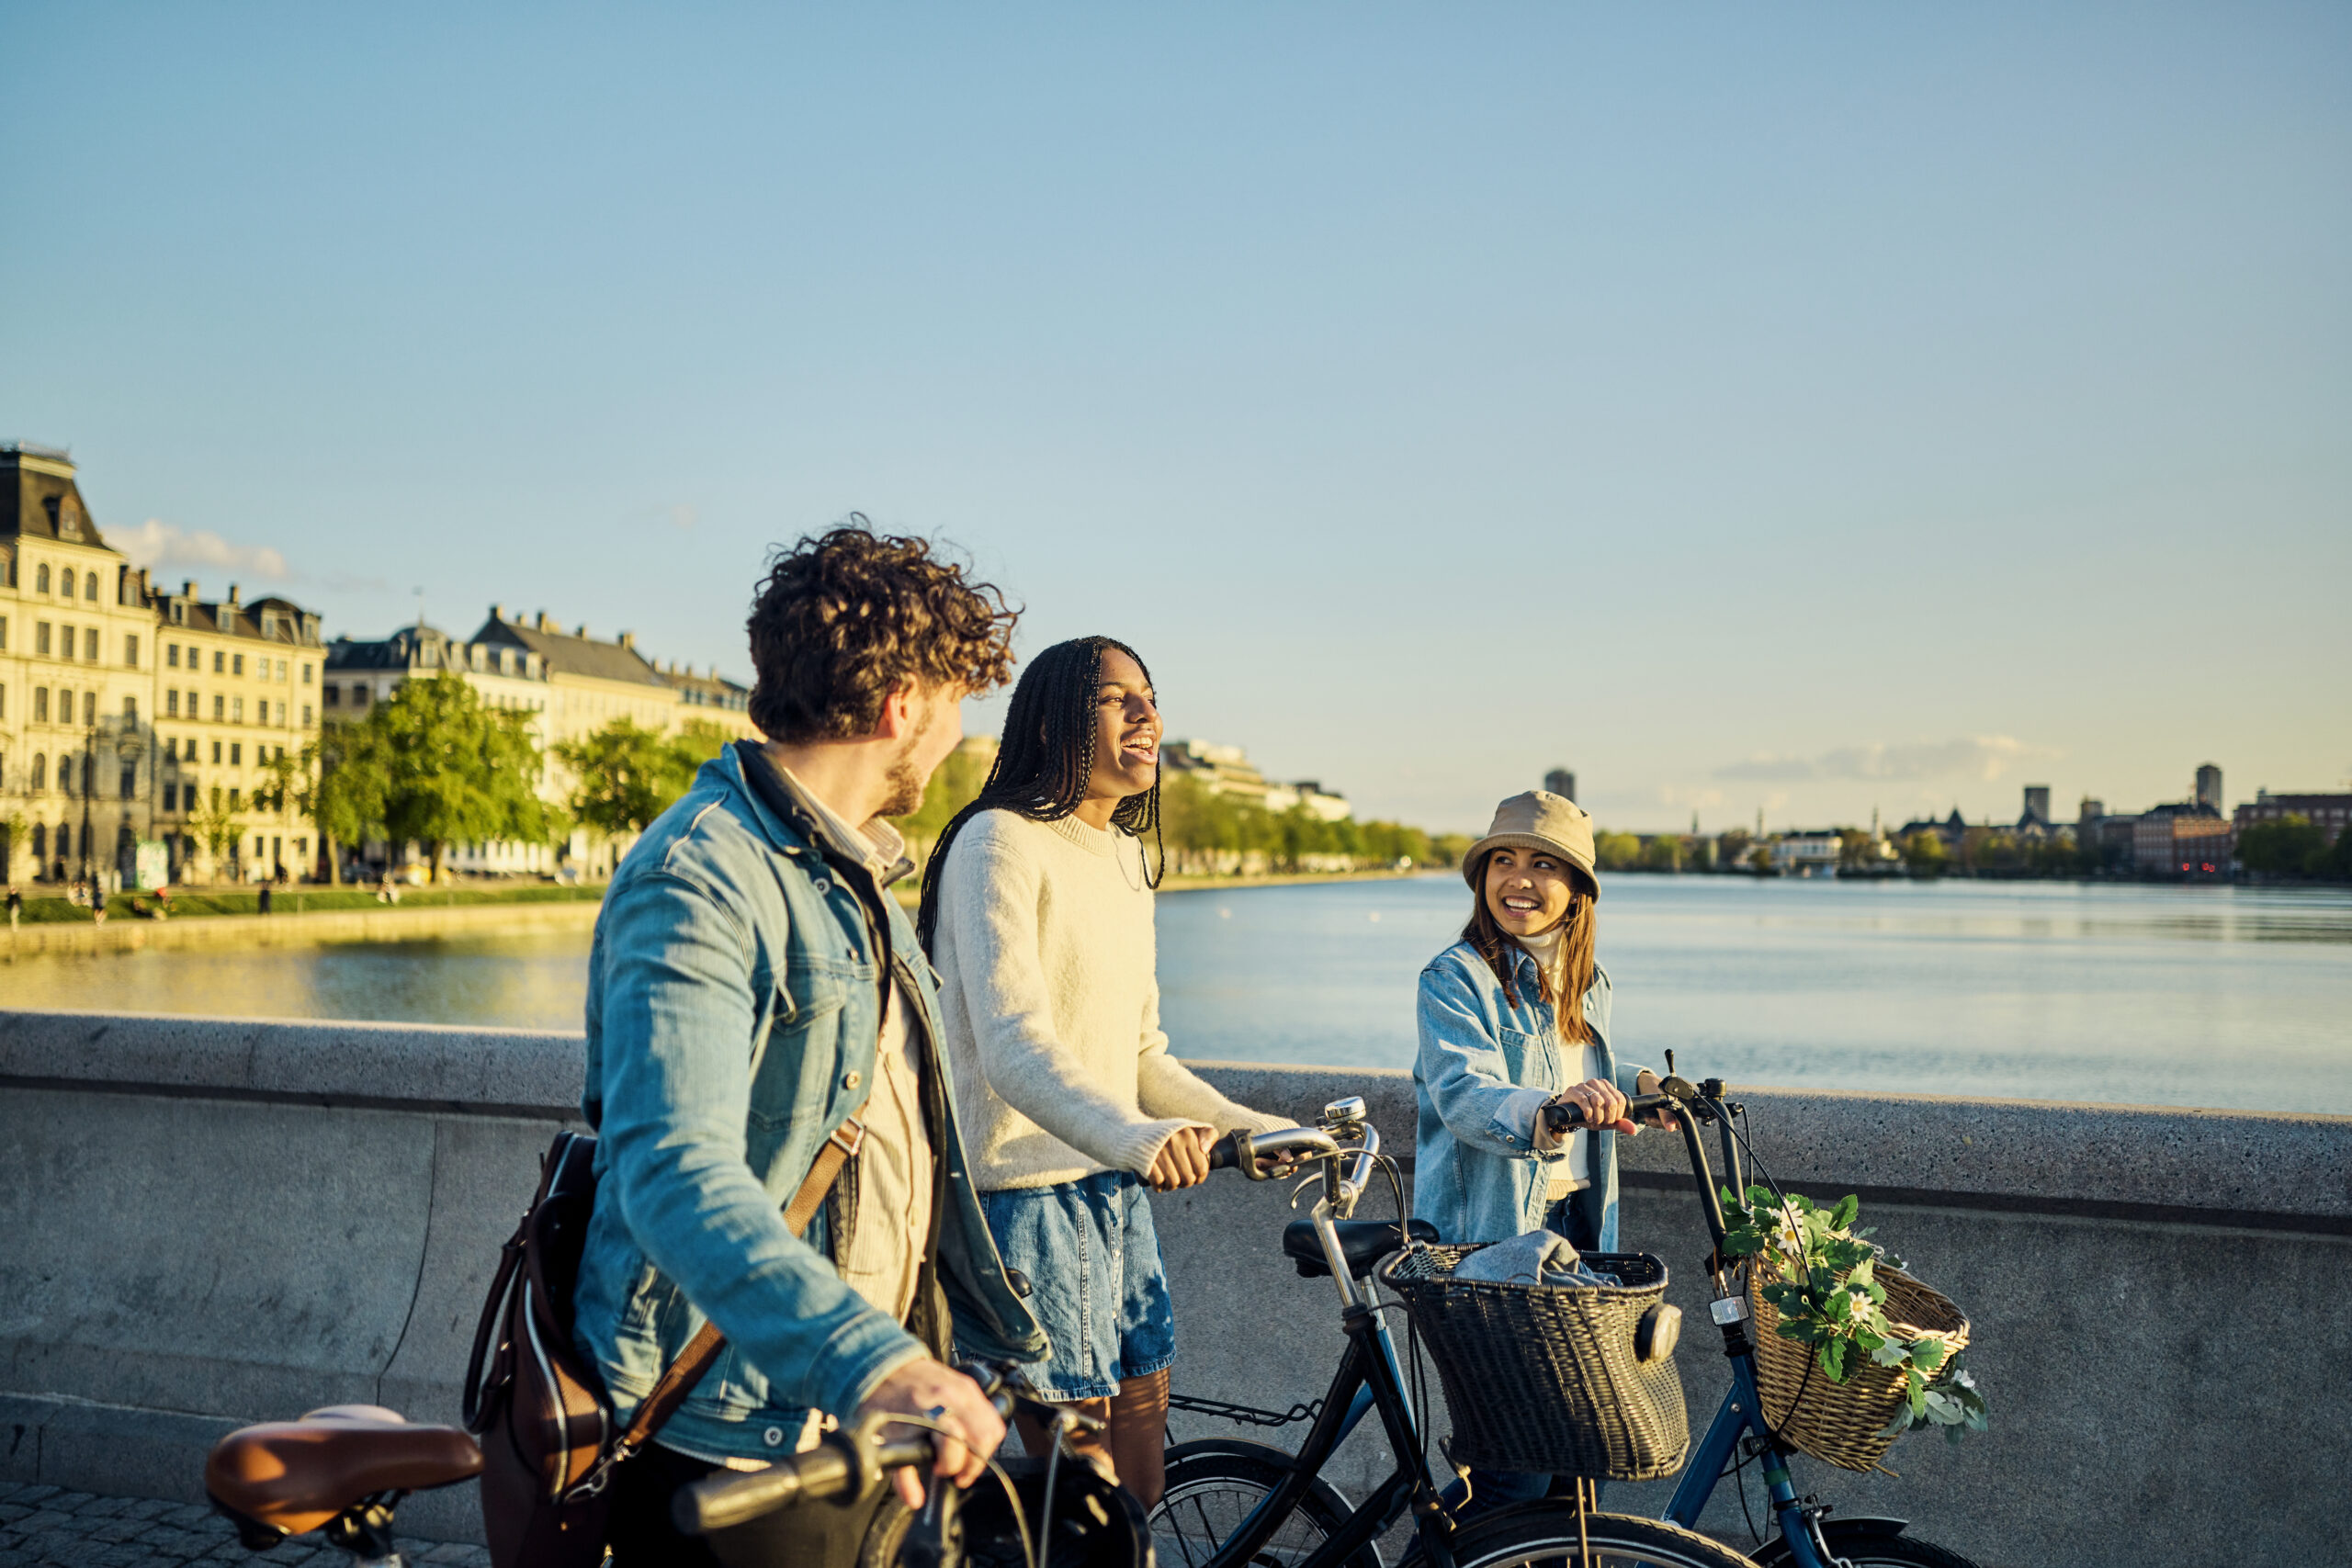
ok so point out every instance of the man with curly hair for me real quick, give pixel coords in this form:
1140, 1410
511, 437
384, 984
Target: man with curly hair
757, 1010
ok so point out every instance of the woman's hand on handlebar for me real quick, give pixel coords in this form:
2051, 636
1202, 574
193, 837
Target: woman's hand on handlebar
1182, 1160
1596, 1102
939, 1394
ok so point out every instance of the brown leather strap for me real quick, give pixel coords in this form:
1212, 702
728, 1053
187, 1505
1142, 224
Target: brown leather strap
696, 1360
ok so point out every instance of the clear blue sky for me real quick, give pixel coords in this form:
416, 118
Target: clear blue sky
1806, 407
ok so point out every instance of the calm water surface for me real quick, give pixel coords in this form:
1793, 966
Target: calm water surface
2216, 997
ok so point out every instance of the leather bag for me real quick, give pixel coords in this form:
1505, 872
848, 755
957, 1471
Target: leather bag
545, 1424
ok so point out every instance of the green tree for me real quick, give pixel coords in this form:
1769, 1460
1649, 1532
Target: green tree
216, 827
2292, 846
1618, 851
1448, 848
1664, 853
1731, 849
1760, 860
626, 775
433, 764
1925, 854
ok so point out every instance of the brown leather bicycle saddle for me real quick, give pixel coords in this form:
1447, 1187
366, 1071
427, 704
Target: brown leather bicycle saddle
296, 1475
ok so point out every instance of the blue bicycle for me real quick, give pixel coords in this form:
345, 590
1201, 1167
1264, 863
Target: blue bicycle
1233, 1503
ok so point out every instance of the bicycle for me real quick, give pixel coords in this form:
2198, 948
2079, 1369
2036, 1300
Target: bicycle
1293, 1515
1239, 1505
342, 1470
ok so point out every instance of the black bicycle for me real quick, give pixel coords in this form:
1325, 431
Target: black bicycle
1243, 1504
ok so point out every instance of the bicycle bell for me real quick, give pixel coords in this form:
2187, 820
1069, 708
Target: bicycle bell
1345, 1114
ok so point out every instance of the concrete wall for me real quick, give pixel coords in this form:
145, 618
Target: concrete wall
206, 1221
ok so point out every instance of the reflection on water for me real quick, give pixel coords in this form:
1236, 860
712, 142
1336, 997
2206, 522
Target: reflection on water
2218, 997
524, 980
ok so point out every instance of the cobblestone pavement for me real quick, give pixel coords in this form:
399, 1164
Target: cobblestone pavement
43, 1526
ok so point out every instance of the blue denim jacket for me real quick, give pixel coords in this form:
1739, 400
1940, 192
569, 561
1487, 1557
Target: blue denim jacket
733, 1012
1483, 1067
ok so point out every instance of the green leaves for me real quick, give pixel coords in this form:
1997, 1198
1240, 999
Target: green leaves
1821, 1275
1949, 1399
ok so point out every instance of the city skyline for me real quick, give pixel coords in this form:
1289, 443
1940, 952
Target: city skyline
1817, 413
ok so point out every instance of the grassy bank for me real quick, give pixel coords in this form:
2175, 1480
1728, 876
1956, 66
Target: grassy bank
203, 903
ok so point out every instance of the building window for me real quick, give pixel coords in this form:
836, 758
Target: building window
233, 799
306, 667
216, 797
66, 778
65, 583
172, 656
237, 664
219, 661
281, 669
90, 645
236, 755
306, 709
130, 650
332, 694
171, 793
3, 709
359, 696
129, 782
220, 707
171, 704
4, 624
89, 708
41, 578
130, 710
282, 714
237, 709
40, 705
90, 586
216, 754
41, 639
40, 781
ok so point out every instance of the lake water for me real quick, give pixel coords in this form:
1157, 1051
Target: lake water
2173, 996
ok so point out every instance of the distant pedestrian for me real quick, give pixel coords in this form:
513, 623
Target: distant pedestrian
265, 897
16, 906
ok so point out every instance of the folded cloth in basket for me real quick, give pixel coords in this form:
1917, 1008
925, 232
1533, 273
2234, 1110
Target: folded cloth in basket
1539, 1257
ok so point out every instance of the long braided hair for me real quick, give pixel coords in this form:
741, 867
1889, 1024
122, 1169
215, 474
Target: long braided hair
1046, 760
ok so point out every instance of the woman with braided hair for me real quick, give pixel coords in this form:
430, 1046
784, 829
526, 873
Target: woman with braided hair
1037, 911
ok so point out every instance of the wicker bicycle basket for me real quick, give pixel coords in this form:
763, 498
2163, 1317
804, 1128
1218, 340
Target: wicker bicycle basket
1843, 1424
1545, 1377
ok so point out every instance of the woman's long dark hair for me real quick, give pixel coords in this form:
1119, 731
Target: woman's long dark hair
1564, 992
1046, 757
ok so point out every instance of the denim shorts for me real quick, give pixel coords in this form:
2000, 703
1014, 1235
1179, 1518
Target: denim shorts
1096, 1283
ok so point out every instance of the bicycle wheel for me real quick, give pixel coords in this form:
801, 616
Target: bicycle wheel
1546, 1535
1868, 1545
1214, 1484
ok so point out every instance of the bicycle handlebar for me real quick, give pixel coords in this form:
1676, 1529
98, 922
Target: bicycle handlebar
1242, 1149
821, 1475
1561, 1118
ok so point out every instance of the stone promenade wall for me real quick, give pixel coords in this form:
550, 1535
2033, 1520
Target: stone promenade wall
206, 1221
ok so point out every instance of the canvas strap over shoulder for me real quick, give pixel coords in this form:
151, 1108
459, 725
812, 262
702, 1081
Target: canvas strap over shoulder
702, 1350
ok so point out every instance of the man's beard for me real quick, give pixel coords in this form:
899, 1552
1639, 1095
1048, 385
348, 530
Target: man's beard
906, 786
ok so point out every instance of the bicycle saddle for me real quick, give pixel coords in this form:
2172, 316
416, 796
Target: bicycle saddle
1363, 1242
290, 1477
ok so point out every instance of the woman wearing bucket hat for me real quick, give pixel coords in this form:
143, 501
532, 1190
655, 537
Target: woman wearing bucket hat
1514, 1017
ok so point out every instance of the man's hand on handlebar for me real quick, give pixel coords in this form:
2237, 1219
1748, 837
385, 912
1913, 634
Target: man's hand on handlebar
927, 1388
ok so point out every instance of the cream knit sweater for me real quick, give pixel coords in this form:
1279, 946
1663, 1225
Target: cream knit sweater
1051, 1007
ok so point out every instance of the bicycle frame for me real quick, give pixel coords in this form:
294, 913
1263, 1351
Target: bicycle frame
1741, 1414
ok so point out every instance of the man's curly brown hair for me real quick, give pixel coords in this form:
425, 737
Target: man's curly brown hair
845, 617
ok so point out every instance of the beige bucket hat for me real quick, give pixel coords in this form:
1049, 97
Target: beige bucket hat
1538, 820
